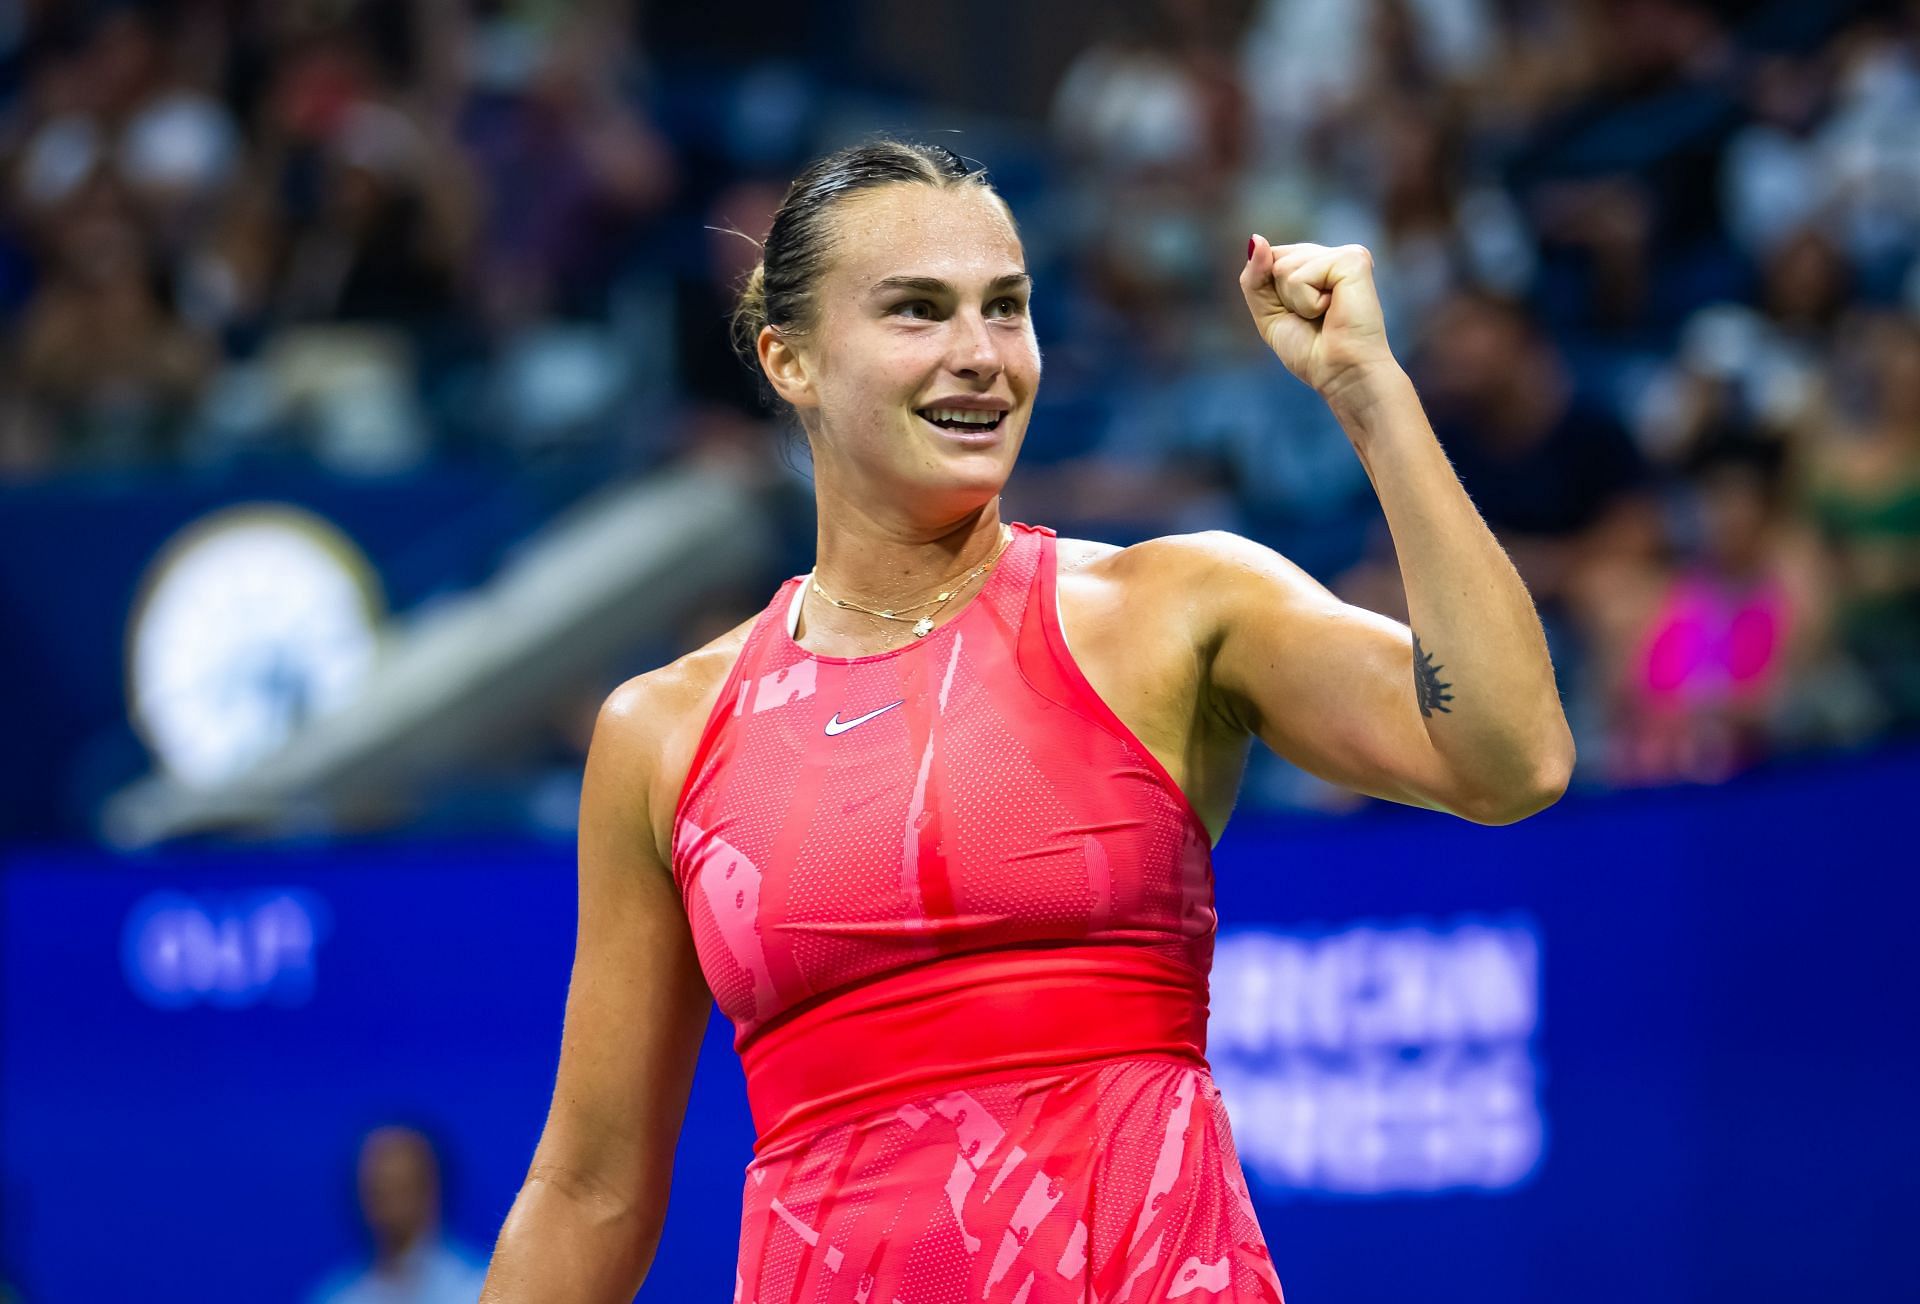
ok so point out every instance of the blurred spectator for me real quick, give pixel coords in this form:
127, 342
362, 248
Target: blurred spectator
1555, 475
1863, 490
123, 106
735, 224
413, 1263
380, 240
107, 371
1757, 369
1134, 103
568, 168
1309, 64
1694, 654
1872, 155
1408, 194
1774, 177
1150, 120
1619, 181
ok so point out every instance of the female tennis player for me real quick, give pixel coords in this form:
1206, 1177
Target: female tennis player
935, 827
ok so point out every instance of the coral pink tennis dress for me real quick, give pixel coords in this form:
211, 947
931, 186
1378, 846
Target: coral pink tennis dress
962, 921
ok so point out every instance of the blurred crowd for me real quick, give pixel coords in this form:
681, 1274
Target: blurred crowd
1654, 264
369, 234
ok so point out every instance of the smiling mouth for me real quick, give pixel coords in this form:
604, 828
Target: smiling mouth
965, 427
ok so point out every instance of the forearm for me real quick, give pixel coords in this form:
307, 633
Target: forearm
560, 1247
1482, 676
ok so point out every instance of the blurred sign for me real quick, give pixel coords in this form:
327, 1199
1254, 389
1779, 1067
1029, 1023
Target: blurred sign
251, 621
225, 950
1380, 1059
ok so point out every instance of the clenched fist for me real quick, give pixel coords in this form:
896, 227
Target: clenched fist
1317, 310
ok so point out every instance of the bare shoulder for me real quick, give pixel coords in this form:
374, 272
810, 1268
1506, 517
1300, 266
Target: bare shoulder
1175, 615
650, 724
656, 698
1074, 555
1107, 580
1167, 559
1141, 619
1199, 572
1177, 557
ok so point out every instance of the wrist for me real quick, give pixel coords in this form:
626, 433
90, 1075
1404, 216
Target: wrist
1362, 396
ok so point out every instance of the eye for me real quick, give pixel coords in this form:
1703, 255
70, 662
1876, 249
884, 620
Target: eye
914, 303
1014, 304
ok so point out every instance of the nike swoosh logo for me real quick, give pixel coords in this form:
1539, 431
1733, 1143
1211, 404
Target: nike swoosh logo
835, 725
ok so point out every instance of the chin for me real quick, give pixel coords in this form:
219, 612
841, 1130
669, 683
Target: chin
961, 489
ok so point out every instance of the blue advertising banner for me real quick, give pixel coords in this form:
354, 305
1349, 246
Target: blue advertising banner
1655, 1046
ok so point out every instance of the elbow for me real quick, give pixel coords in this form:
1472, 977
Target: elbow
600, 1203
1544, 784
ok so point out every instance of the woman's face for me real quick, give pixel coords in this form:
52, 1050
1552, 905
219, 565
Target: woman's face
924, 305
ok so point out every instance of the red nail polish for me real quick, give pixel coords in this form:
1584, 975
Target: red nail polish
1249, 248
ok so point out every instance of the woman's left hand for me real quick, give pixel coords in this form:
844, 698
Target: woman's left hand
1317, 309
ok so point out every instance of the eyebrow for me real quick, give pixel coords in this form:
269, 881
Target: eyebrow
934, 285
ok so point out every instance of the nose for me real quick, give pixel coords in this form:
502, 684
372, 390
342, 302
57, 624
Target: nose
975, 351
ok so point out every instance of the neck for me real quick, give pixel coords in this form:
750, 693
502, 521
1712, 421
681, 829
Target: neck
389, 1252
885, 562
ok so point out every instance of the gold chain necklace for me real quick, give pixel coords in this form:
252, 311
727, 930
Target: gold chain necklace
924, 625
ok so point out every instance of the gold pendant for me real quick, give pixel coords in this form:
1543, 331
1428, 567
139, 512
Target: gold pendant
923, 626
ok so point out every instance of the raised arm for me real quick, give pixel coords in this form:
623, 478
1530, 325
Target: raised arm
1457, 711
1330, 686
588, 1218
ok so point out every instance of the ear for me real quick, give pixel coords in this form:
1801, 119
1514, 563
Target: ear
786, 369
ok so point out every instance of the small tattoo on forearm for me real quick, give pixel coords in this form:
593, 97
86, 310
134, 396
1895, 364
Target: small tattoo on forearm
1427, 682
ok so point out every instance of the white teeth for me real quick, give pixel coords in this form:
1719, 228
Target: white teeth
961, 414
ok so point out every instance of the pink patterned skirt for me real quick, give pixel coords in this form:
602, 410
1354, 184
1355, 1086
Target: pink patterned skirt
1099, 1183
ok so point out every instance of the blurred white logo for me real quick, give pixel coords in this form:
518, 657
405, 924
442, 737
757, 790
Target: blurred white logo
230, 951
1371, 1059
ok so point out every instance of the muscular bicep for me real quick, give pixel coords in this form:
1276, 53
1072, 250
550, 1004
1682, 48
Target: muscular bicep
1331, 687
637, 1003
